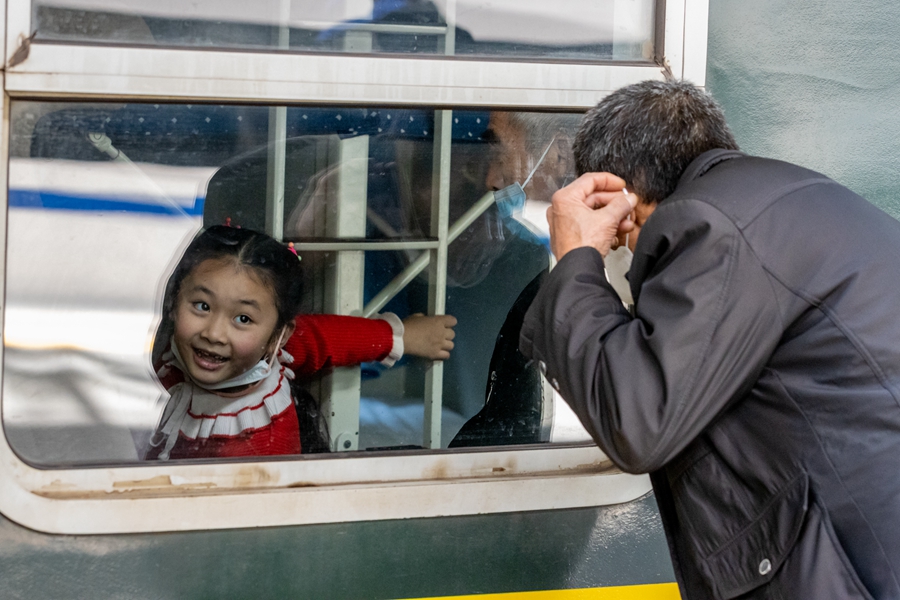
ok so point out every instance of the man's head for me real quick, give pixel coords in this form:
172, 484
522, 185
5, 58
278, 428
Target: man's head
648, 133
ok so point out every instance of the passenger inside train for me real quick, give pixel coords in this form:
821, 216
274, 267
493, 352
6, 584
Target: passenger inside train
128, 187
231, 345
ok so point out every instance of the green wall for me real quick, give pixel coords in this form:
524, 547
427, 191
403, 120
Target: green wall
814, 83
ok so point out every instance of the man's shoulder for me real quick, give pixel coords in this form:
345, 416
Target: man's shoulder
744, 186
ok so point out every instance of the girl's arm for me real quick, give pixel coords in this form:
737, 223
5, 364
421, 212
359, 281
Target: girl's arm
326, 341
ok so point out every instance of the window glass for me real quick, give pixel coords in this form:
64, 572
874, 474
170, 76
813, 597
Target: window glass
587, 30
105, 198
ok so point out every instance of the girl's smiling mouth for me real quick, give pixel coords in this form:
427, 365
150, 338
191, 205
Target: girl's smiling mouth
208, 360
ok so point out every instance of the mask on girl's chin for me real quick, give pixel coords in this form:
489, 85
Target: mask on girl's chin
258, 372
618, 263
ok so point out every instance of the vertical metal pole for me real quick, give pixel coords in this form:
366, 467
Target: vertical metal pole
277, 142
450, 36
346, 217
283, 35
355, 41
275, 172
437, 288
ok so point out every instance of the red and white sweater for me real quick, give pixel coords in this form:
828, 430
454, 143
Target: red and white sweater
261, 420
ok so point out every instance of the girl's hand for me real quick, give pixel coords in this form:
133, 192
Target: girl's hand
429, 337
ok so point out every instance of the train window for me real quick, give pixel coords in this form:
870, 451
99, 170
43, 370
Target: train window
588, 30
389, 209
403, 147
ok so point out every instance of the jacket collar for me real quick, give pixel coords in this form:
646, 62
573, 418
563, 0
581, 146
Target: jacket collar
706, 161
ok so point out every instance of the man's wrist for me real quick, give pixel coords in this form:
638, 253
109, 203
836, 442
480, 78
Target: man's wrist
565, 246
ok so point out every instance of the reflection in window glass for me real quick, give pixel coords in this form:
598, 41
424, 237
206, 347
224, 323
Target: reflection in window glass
104, 199
593, 30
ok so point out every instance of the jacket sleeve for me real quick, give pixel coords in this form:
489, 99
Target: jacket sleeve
327, 341
706, 323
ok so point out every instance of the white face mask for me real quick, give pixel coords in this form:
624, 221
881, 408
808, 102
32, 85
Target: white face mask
618, 263
258, 372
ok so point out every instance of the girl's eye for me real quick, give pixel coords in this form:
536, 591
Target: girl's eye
201, 306
243, 319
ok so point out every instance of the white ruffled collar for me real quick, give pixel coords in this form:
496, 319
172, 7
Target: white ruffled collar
198, 413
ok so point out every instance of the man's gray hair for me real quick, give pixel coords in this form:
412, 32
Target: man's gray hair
648, 133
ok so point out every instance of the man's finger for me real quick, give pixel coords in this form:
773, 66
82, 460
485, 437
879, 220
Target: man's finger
601, 199
604, 182
621, 206
590, 183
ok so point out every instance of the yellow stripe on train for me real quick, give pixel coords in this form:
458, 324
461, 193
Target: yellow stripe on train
655, 591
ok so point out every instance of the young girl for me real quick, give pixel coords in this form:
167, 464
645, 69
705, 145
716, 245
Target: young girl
231, 341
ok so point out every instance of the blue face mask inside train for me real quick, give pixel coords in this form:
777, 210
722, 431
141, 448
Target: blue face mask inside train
513, 206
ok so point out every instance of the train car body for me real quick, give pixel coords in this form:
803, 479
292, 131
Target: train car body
371, 135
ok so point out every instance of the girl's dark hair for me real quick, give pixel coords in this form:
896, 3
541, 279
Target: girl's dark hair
280, 270
277, 266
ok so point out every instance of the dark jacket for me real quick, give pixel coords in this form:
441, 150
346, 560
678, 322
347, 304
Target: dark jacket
758, 382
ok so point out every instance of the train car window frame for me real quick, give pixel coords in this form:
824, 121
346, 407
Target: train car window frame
85, 71
301, 490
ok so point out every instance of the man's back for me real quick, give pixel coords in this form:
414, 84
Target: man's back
796, 479
758, 380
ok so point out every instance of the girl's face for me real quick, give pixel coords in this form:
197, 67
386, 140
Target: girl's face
225, 321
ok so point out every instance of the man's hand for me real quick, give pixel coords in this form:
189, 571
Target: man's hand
590, 211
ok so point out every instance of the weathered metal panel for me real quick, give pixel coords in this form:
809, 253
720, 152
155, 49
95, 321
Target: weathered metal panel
578, 548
